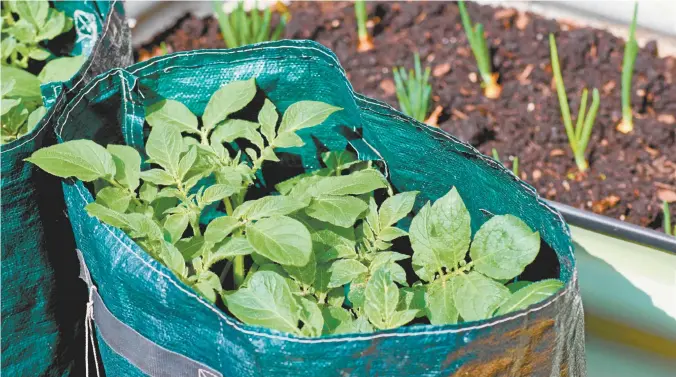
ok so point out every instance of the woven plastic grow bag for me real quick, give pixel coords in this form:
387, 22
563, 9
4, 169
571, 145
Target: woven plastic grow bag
149, 323
41, 295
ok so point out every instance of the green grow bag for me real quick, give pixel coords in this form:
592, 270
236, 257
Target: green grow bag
150, 323
42, 300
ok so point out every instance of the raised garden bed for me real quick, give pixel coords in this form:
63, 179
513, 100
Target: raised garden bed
629, 175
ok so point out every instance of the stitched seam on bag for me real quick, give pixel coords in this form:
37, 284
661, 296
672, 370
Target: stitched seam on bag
236, 325
100, 46
81, 97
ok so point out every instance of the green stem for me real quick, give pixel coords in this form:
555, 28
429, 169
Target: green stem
666, 219
360, 14
630, 52
238, 270
228, 206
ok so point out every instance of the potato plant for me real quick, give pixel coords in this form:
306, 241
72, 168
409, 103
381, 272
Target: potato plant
25, 29
316, 257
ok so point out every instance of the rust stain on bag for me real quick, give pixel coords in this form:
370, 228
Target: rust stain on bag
520, 352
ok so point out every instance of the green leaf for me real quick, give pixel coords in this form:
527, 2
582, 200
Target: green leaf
227, 100
281, 239
191, 247
23, 31
396, 208
304, 114
7, 105
35, 117
391, 233
322, 277
288, 140
7, 46
144, 226
356, 295
334, 317
220, 227
360, 182
331, 242
337, 159
452, 223
231, 248
174, 113
172, 258
61, 69
513, 287
266, 301
208, 284
387, 260
176, 224
413, 298
147, 192
233, 129
344, 271
186, 162
529, 295
26, 85
164, 147
82, 159
381, 298
268, 117
218, 192
33, 11
268, 206
108, 216
311, 315
441, 308
503, 247
55, 25
426, 245
477, 296
338, 210
158, 177
114, 198
336, 297
39, 54
304, 274
127, 165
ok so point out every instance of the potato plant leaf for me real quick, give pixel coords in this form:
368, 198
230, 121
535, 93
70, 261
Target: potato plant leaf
266, 301
503, 247
281, 239
82, 159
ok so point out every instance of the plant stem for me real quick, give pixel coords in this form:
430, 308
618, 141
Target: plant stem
515, 166
579, 135
477, 42
630, 52
666, 219
238, 270
224, 23
365, 41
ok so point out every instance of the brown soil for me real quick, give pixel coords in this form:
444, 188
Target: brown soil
630, 174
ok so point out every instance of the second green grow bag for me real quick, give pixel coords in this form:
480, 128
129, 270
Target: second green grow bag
149, 323
42, 299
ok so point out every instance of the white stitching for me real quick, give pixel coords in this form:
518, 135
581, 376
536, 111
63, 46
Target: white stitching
100, 46
81, 97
